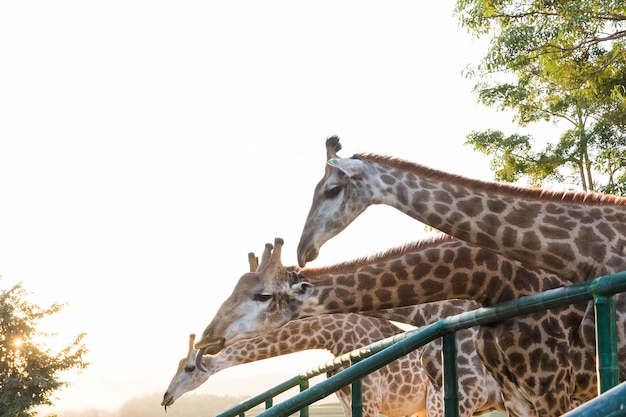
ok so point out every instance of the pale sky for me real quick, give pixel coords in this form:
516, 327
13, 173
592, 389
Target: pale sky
147, 146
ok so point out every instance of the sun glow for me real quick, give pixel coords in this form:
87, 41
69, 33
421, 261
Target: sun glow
18, 342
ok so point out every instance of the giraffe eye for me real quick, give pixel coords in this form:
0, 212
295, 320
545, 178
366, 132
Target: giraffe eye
262, 297
333, 192
190, 368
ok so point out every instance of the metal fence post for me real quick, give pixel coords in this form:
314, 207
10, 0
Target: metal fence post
357, 393
304, 385
606, 342
450, 376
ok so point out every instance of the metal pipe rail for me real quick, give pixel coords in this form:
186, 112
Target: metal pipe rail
601, 290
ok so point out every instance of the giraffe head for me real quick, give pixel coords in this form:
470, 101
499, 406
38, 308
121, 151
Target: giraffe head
188, 377
338, 199
261, 300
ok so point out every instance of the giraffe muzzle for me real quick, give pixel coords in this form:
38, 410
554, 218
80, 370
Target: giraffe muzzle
306, 254
168, 400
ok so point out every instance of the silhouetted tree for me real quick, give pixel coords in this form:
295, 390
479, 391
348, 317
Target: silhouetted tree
29, 370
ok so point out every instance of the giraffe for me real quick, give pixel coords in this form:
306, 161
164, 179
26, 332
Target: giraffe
579, 236
401, 388
534, 380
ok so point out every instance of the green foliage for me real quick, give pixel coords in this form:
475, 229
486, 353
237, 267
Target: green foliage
29, 370
544, 34
564, 61
513, 157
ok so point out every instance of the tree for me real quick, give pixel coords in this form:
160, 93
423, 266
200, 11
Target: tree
513, 157
554, 61
29, 370
542, 34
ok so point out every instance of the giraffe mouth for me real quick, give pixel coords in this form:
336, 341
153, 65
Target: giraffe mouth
306, 254
168, 400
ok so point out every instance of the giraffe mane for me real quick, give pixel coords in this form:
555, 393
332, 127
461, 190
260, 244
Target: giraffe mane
511, 190
392, 253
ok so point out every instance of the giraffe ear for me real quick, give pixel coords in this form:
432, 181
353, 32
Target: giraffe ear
349, 166
301, 290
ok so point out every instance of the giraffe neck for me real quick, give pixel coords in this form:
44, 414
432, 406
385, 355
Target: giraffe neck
440, 269
428, 271
567, 233
427, 313
337, 333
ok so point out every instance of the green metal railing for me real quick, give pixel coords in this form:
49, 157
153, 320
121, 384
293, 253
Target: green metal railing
377, 355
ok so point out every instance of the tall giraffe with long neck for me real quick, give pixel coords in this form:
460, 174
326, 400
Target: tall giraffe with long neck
534, 381
579, 236
401, 388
